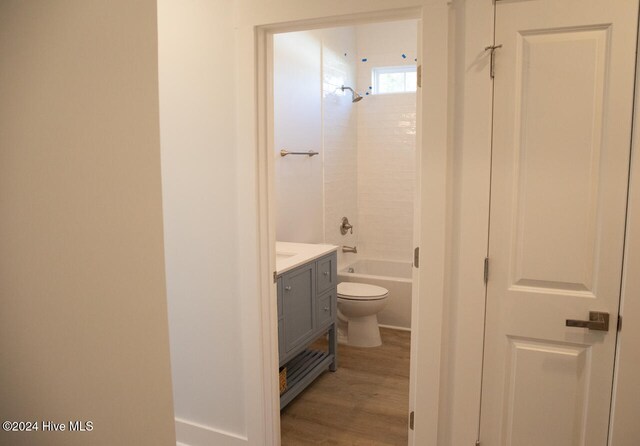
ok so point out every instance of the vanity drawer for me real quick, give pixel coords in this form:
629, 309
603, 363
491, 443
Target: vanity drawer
325, 308
326, 273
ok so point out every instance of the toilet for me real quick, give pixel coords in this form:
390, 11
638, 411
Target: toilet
358, 308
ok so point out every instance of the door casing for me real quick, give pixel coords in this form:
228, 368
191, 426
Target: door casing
431, 194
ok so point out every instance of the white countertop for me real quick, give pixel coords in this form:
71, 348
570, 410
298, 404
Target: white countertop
290, 255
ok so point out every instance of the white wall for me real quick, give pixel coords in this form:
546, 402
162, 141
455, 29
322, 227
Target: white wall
197, 124
297, 89
313, 194
386, 144
83, 324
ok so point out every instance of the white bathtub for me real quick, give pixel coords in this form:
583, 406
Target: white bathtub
394, 276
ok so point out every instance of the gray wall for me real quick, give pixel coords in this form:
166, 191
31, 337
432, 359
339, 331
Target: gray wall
83, 322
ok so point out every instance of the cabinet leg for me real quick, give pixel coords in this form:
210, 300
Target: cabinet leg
333, 347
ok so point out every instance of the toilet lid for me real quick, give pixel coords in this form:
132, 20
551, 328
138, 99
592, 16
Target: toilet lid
361, 291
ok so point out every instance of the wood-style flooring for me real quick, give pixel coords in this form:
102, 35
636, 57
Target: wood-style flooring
365, 402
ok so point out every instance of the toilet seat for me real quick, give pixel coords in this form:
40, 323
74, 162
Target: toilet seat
361, 291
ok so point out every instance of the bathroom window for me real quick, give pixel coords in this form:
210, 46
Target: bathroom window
394, 79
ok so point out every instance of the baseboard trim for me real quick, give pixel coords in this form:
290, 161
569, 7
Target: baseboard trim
189, 433
393, 327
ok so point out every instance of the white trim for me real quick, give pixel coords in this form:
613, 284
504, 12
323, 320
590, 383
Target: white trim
428, 298
623, 425
471, 91
267, 236
393, 327
406, 13
194, 434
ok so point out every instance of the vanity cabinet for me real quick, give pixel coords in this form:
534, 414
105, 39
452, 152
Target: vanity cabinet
307, 306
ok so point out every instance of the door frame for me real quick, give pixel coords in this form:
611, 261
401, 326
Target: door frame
623, 416
431, 195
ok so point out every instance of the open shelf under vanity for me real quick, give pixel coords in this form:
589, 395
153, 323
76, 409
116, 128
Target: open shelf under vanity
302, 370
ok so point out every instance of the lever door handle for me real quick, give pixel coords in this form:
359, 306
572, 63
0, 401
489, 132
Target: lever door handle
597, 321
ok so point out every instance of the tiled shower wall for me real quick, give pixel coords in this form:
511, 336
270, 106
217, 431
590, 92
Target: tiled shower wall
386, 145
339, 138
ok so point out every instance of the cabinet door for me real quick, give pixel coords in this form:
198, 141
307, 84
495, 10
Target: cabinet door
298, 306
326, 273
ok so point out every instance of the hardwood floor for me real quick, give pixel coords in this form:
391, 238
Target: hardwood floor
365, 402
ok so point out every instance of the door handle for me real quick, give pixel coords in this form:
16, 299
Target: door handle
597, 321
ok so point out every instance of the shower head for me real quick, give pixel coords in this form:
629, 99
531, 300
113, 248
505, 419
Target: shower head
355, 96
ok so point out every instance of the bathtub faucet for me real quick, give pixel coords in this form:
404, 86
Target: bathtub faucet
352, 249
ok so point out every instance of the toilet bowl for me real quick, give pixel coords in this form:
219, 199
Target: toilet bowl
358, 308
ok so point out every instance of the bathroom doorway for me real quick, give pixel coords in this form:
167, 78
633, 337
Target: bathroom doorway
344, 132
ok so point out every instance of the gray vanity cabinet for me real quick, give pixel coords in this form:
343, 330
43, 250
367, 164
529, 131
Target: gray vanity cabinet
307, 308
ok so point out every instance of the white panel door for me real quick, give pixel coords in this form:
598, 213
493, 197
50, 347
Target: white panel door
562, 128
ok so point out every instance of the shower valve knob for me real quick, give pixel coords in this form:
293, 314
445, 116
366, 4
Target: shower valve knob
345, 226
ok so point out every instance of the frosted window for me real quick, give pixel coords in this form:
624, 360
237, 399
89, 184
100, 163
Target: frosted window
394, 79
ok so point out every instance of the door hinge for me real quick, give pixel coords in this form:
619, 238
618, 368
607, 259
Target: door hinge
492, 65
486, 270
619, 322
275, 277
411, 417
419, 76
416, 257
477, 442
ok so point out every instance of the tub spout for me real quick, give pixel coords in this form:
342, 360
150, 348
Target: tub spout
352, 249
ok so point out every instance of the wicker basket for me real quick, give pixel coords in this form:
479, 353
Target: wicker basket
283, 380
